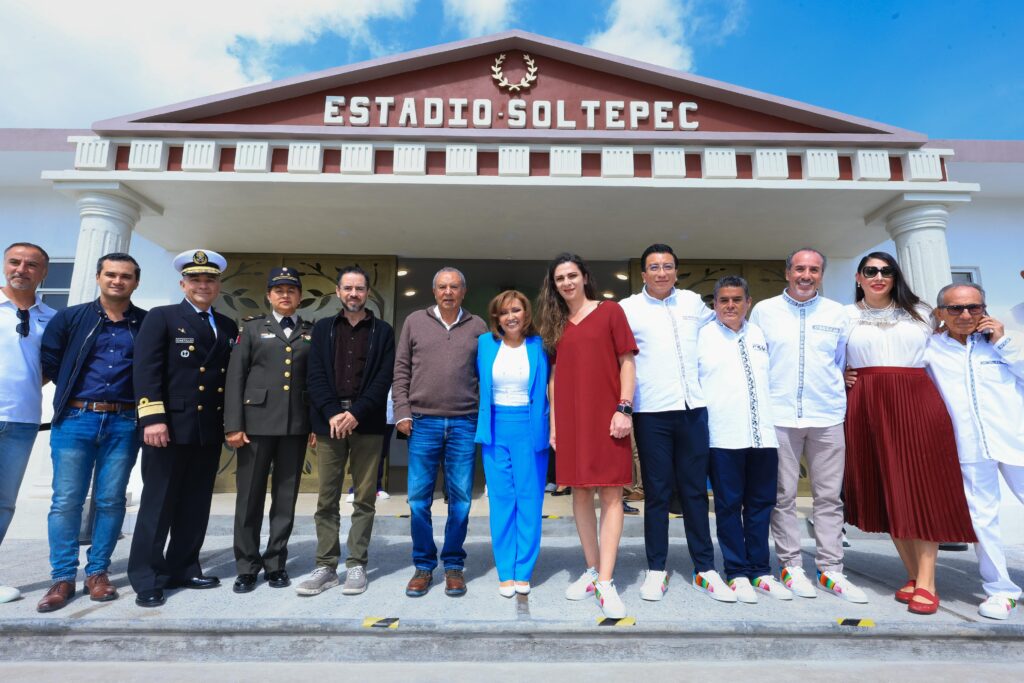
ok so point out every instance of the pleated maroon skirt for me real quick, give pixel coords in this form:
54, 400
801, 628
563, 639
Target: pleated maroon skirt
902, 471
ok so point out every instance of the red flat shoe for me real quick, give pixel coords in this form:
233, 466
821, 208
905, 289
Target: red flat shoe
923, 607
907, 592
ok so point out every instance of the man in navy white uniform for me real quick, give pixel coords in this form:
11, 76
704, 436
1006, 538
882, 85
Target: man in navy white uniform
732, 361
979, 370
671, 421
181, 361
806, 335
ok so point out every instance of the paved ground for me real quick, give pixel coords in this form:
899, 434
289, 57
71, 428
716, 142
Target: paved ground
683, 614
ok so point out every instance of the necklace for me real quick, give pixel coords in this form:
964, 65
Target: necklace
886, 317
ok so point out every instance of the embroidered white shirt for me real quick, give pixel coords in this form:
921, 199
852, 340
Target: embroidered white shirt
666, 334
886, 338
733, 370
807, 347
983, 386
21, 391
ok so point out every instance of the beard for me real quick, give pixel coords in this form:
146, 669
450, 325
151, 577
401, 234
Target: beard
354, 308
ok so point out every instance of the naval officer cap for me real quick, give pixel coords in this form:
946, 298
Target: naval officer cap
200, 262
283, 276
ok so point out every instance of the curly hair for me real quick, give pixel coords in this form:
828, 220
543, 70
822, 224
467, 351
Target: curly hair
901, 292
552, 311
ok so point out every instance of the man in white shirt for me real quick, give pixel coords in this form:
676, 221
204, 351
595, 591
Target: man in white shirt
732, 359
807, 346
670, 419
23, 317
979, 370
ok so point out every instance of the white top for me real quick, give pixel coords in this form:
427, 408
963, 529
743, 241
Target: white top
807, 348
886, 337
733, 369
666, 334
983, 387
511, 376
437, 312
21, 391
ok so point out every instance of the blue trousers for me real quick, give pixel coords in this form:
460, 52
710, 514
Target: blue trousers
16, 441
744, 482
83, 442
436, 440
673, 450
516, 475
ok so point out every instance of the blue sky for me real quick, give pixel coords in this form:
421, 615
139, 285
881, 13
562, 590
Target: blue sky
946, 69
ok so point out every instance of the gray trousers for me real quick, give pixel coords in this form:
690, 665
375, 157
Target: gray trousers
825, 451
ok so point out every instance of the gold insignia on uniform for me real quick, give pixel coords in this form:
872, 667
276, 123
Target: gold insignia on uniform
148, 407
199, 258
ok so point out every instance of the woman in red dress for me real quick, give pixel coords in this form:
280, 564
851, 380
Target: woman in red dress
591, 408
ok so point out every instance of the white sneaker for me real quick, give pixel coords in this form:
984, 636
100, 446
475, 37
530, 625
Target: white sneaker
550, 486
997, 607
654, 586
350, 497
581, 588
796, 580
383, 495
9, 594
608, 598
711, 583
769, 585
743, 590
837, 584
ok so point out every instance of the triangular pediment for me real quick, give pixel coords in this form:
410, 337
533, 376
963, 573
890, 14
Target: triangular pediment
508, 81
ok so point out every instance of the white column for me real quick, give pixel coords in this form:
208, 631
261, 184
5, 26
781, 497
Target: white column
107, 224
920, 235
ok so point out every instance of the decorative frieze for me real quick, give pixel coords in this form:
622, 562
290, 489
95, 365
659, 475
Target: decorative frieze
821, 164
514, 160
410, 160
95, 155
252, 157
922, 165
200, 155
148, 155
566, 162
357, 158
770, 164
719, 162
871, 164
668, 162
460, 160
305, 157
617, 162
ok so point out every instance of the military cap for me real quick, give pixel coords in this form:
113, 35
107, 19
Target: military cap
283, 276
200, 262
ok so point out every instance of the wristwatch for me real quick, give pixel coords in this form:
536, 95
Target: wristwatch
624, 409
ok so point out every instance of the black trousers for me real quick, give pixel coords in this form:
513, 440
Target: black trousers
177, 487
674, 452
281, 458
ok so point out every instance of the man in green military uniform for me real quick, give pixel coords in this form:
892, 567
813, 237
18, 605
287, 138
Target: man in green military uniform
266, 419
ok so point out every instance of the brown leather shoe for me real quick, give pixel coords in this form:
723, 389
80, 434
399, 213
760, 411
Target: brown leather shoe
633, 496
419, 584
454, 583
57, 596
99, 588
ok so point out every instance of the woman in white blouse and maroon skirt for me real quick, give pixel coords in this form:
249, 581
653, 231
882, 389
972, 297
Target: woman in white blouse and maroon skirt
902, 472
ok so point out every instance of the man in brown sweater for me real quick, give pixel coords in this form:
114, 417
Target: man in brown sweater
435, 395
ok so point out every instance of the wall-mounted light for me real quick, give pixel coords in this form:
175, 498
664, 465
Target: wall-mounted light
622, 276
401, 272
609, 295
410, 292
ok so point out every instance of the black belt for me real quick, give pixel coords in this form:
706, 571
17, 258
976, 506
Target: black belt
345, 404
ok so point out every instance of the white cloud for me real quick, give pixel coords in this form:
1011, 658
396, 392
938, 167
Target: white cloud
652, 31
70, 63
479, 17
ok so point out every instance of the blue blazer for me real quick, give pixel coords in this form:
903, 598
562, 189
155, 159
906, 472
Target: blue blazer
540, 427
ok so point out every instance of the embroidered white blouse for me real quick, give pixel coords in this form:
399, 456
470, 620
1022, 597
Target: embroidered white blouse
886, 337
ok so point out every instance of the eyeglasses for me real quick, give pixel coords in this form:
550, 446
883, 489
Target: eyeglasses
958, 309
658, 268
871, 271
23, 326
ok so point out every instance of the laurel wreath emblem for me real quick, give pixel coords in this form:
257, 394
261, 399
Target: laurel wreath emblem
524, 83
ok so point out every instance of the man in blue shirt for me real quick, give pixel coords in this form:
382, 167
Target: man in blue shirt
88, 351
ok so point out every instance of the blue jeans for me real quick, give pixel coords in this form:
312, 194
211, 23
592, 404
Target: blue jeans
436, 440
16, 440
745, 482
84, 441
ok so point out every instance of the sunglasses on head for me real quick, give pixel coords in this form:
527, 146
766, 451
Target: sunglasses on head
872, 271
23, 325
958, 309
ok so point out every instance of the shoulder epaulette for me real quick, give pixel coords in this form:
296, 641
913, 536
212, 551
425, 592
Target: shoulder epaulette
258, 316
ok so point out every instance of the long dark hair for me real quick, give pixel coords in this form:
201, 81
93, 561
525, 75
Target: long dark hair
552, 311
901, 292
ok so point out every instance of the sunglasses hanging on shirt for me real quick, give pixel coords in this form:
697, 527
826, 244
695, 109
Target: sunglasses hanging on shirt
23, 327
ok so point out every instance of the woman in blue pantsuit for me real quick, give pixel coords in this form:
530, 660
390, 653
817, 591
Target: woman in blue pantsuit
513, 428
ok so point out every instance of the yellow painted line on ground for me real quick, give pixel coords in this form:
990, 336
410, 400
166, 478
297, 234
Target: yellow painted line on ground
624, 621
860, 623
380, 622
550, 516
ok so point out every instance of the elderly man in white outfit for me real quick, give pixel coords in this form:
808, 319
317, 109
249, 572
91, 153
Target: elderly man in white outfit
979, 370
